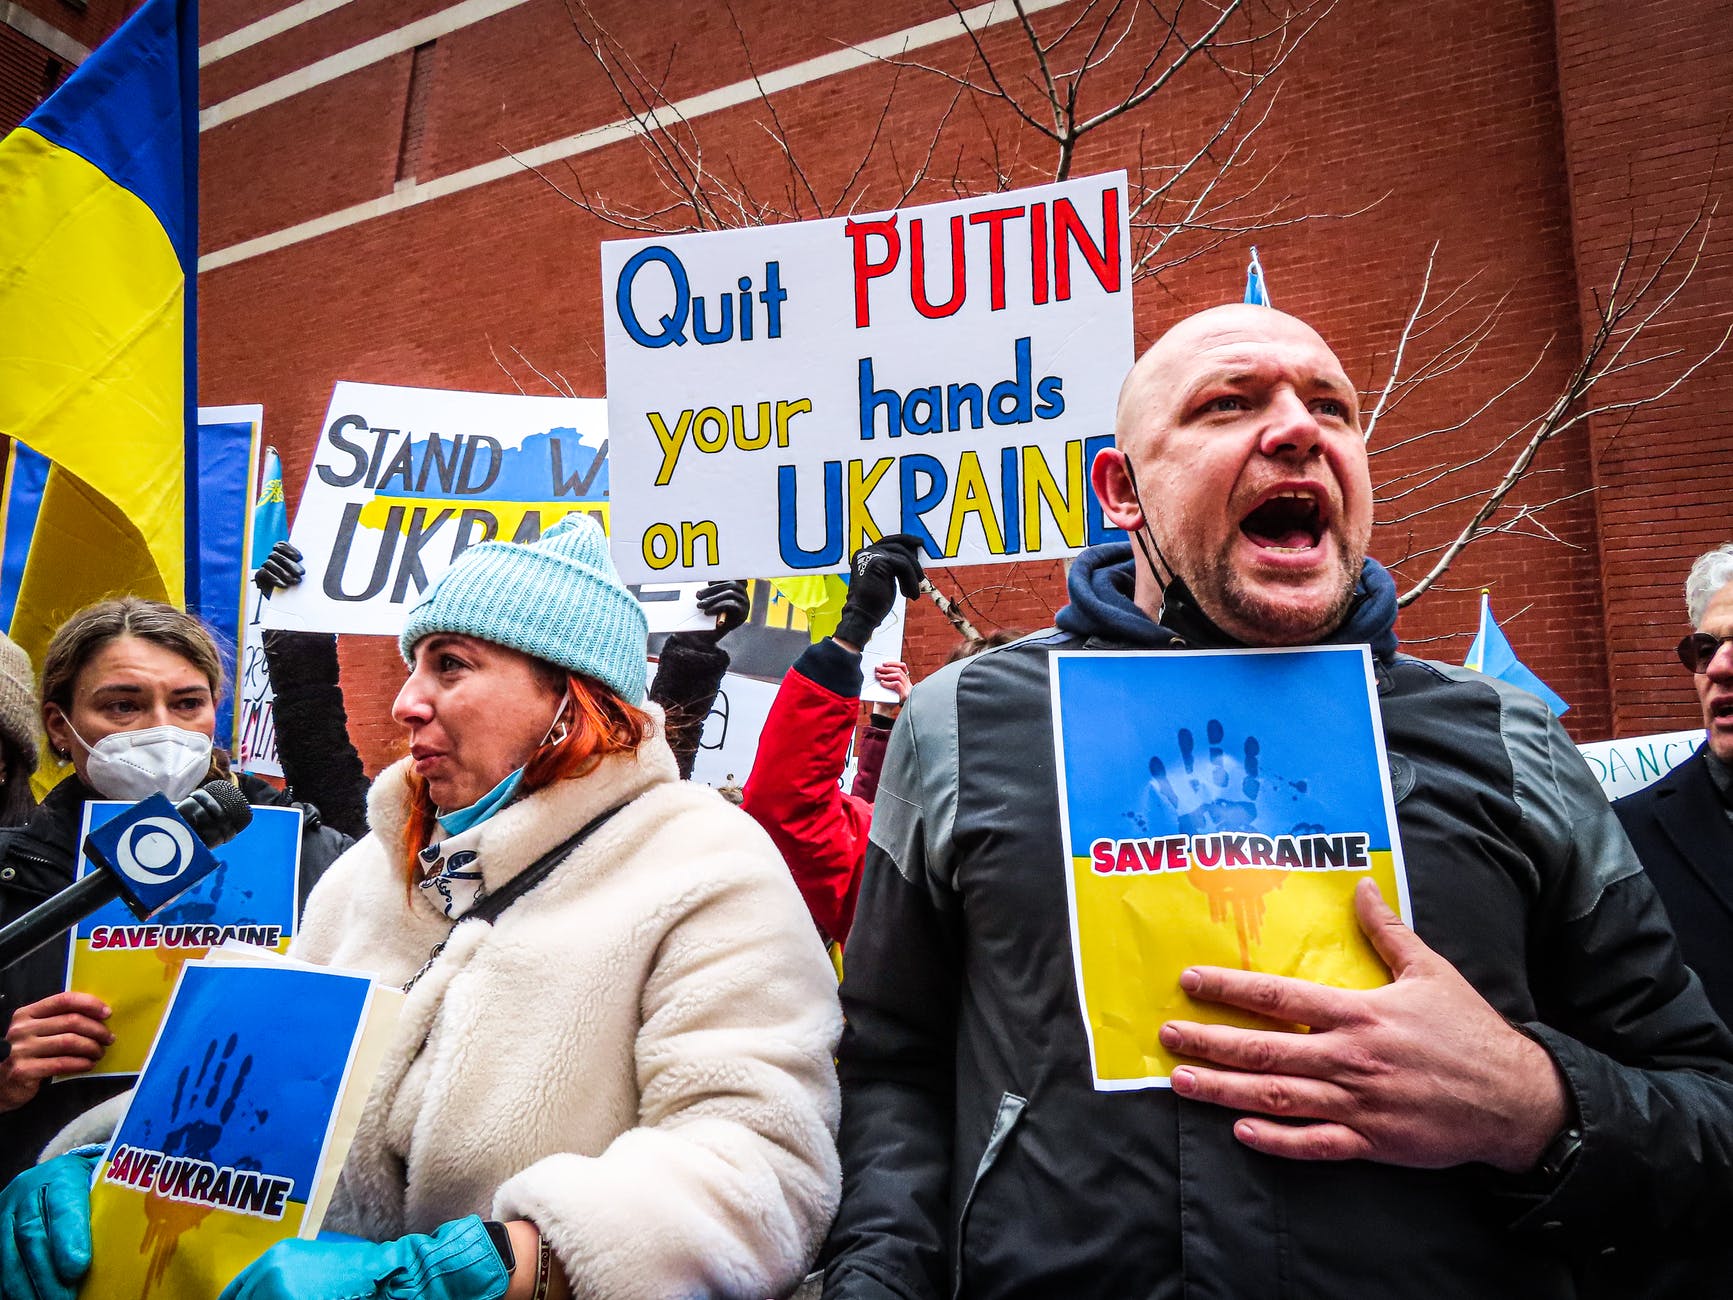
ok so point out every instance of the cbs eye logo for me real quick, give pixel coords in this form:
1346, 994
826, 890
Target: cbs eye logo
154, 850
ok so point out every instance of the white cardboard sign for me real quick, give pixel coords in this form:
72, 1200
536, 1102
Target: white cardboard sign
404, 480
781, 396
1625, 766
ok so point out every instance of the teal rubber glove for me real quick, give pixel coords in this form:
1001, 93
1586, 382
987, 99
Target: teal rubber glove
458, 1262
45, 1228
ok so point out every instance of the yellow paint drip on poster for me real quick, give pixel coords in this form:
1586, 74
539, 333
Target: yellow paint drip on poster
1136, 932
155, 1248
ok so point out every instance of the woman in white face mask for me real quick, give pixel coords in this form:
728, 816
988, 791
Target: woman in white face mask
129, 690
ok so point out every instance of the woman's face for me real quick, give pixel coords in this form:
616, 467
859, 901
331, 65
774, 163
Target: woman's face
475, 711
128, 685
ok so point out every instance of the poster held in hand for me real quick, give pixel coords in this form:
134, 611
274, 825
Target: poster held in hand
1217, 808
239, 1125
132, 965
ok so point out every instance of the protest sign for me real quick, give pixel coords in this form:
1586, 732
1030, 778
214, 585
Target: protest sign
132, 964
404, 480
1626, 766
255, 698
783, 395
233, 1139
1225, 821
760, 651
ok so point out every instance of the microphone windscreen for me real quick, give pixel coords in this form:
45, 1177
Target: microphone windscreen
233, 813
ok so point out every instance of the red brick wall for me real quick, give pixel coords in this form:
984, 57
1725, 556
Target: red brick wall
1645, 92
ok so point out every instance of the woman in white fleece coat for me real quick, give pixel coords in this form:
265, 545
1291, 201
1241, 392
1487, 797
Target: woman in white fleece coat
631, 1065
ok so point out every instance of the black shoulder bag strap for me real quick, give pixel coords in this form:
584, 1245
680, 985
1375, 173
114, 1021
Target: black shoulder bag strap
492, 905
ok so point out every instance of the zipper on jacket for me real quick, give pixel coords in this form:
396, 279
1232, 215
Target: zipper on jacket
1010, 1111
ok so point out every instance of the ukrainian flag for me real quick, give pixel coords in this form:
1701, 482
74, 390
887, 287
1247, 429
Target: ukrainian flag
1491, 653
98, 219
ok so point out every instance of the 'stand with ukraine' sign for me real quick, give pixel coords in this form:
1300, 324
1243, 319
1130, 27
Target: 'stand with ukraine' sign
1218, 808
404, 480
221, 1149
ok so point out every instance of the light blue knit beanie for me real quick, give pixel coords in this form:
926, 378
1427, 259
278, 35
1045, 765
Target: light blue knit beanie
559, 599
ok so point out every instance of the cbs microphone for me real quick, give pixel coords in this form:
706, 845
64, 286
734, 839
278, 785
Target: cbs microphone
147, 857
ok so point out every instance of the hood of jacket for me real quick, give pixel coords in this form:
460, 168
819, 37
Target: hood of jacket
1101, 585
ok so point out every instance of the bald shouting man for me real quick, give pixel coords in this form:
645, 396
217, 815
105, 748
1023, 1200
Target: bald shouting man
1543, 1082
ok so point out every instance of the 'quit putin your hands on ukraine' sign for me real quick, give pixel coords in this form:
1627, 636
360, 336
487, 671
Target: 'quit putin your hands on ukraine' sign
783, 395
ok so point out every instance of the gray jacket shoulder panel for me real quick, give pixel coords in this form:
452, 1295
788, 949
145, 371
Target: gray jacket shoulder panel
1563, 807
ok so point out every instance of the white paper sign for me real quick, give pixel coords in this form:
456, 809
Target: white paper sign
783, 395
404, 480
1626, 766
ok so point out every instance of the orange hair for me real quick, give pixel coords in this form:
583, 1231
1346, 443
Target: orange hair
599, 723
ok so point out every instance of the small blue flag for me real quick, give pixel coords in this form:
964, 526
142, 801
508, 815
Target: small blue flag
1257, 291
1491, 654
270, 516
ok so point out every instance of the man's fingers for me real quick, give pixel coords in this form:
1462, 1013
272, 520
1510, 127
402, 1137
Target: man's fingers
1284, 1095
1257, 1050
1302, 1141
1298, 1002
1399, 946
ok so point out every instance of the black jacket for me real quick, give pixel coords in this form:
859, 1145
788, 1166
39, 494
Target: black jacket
979, 1161
36, 861
1679, 827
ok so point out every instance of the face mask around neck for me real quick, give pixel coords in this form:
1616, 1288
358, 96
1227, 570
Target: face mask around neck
463, 819
134, 765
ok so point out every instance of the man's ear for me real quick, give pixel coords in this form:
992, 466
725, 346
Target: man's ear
1114, 490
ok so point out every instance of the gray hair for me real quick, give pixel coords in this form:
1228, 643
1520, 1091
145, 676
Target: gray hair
1712, 571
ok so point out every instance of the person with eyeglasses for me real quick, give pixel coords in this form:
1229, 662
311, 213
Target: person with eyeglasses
1682, 825
1682, 829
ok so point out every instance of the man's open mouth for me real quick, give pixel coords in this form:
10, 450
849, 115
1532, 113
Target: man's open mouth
1291, 520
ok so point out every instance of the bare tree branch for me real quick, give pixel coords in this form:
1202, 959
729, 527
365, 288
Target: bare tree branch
1645, 284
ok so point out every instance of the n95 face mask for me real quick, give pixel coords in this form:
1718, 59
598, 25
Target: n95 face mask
134, 765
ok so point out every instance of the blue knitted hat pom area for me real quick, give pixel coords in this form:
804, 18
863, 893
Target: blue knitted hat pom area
559, 598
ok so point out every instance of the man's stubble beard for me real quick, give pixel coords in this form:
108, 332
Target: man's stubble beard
1274, 622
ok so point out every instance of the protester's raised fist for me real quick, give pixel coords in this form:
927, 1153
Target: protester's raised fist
727, 602
876, 573
282, 568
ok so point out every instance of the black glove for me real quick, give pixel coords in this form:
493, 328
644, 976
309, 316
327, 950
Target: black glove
728, 602
875, 574
282, 568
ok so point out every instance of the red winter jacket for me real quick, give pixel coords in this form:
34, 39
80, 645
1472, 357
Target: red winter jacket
793, 791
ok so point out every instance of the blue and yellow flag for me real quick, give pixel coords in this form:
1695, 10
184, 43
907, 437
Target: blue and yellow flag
1491, 654
270, 514
98, 216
